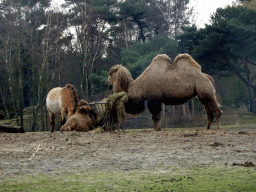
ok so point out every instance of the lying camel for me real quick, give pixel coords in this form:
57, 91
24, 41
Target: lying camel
83, 120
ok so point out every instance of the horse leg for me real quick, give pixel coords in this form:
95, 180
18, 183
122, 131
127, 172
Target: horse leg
52, 120
62, 120
63, 116
154, 107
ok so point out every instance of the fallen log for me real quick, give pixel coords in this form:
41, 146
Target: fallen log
11, 128
2, 116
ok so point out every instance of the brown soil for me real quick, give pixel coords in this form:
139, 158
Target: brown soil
124, 151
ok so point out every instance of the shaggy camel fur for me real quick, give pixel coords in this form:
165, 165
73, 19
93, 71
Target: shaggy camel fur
166, 82
83, 120
61, 101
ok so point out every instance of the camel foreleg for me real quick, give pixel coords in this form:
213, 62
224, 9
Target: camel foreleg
210, 117
154, 107
217, 114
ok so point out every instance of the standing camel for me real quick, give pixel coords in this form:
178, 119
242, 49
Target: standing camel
61, 101
166, 82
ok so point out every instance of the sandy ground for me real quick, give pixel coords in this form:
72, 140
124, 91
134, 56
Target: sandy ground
73, 152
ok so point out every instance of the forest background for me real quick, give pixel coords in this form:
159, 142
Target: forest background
42, 48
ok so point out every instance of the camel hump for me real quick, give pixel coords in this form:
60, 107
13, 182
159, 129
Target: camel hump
187, 57
161, 57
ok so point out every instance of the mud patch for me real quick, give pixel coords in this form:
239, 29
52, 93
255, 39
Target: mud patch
246, 164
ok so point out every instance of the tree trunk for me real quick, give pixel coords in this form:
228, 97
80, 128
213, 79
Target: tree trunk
20, 88
252, 99
34, 125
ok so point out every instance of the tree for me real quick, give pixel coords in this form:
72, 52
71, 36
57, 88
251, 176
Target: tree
250, 4
16, 29
140, 55
89, 20
98, 82
176, 13
188, 39
28, 53
228, 44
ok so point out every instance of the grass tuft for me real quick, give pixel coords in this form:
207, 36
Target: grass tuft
194, 179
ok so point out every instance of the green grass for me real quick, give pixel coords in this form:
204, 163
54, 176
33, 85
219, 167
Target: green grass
195, 179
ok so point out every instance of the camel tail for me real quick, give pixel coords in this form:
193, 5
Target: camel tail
211, 79
73, 95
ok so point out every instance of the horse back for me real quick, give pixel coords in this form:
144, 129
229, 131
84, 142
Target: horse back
53, 102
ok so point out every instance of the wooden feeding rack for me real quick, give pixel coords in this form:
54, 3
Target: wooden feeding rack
107, 119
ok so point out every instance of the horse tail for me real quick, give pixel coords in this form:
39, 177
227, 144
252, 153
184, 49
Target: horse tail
73, 95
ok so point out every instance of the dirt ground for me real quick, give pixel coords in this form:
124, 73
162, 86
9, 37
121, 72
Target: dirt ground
147, 150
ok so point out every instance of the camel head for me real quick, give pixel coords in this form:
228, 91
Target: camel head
83, 103
120, 78
84, 109
65, 128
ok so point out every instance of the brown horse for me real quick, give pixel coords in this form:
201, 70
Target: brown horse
61, 101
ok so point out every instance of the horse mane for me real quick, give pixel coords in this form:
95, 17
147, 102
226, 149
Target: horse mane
189, 58
123, 79
73, 95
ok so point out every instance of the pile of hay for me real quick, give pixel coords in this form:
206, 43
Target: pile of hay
116, 105
115, 108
